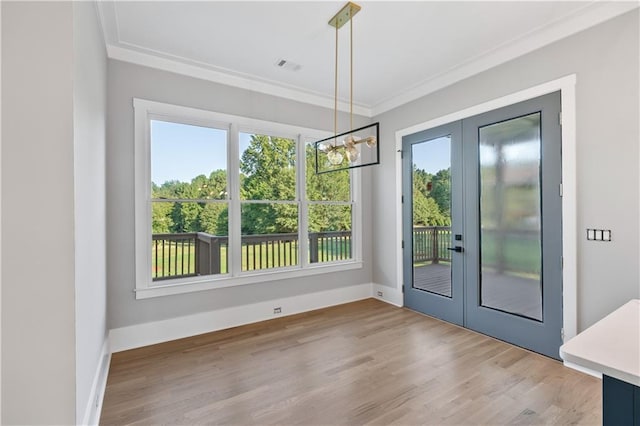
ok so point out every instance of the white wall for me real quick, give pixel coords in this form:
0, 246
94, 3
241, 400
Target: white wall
126, 81
53, 177
0, 219
605, 59
38, 330
89, 117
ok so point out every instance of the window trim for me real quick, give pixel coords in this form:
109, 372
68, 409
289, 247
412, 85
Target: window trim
144, 111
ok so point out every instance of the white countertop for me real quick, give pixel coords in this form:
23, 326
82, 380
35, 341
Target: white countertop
610, 346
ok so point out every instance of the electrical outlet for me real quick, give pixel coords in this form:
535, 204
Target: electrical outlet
277, 310
379, 294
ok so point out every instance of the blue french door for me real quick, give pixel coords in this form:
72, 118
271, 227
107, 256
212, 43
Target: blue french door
487, 253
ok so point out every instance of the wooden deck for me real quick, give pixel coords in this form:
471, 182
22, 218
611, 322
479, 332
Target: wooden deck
505, 292
435, 278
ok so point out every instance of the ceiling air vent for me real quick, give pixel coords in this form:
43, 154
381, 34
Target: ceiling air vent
288, 65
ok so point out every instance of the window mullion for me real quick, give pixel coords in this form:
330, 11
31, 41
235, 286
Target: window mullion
303, 205
233, 177
356, 214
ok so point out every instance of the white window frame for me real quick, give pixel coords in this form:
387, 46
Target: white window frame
144, 111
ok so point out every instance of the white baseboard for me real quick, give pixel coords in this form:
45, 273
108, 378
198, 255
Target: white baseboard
388, 294
150, 333
96, 397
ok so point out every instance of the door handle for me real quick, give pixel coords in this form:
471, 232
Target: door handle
457, 249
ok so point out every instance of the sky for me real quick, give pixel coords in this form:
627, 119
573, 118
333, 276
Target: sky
435, 155
432, 156
182, 152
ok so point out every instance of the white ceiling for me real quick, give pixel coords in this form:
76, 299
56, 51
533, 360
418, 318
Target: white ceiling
402, 50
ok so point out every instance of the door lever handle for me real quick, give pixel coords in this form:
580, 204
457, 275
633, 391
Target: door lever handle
457, 249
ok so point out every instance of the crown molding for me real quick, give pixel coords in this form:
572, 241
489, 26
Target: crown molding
116, 49
253, 84
591, 15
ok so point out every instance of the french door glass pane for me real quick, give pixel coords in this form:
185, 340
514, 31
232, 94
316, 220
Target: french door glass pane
432, 215
510, 216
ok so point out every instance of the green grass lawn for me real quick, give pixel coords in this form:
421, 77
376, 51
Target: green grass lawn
263, 256
521, 254
180, 260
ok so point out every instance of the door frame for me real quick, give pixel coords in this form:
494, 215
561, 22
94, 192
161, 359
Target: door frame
567, 87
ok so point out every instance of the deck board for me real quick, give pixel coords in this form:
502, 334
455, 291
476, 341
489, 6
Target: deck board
435, 278
505, 292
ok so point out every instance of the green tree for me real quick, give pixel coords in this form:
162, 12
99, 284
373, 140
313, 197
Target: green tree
209, 219
161, 212
161, 220
426, 210
185, 217
222, 227
335, 186
190, 216
421, 180
268, 166
441, 190
213, 188
268, 172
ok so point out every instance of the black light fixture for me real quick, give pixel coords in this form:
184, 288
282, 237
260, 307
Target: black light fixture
346, 150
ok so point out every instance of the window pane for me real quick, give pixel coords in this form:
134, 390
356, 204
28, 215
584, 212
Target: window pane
188, 239
269, 235
334, 186
329, 233
267, 168
188, 162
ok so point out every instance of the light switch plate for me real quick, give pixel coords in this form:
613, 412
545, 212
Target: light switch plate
598, 234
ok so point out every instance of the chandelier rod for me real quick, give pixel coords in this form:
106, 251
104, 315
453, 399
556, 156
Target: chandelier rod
335, 93
351, 74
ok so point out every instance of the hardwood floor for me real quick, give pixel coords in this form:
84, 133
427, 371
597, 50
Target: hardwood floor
361, 363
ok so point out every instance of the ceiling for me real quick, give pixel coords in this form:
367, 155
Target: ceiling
402, 50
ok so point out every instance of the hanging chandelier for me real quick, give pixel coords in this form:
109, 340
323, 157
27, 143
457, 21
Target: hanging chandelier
344, 150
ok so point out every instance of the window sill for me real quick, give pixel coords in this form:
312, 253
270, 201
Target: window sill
211, 282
